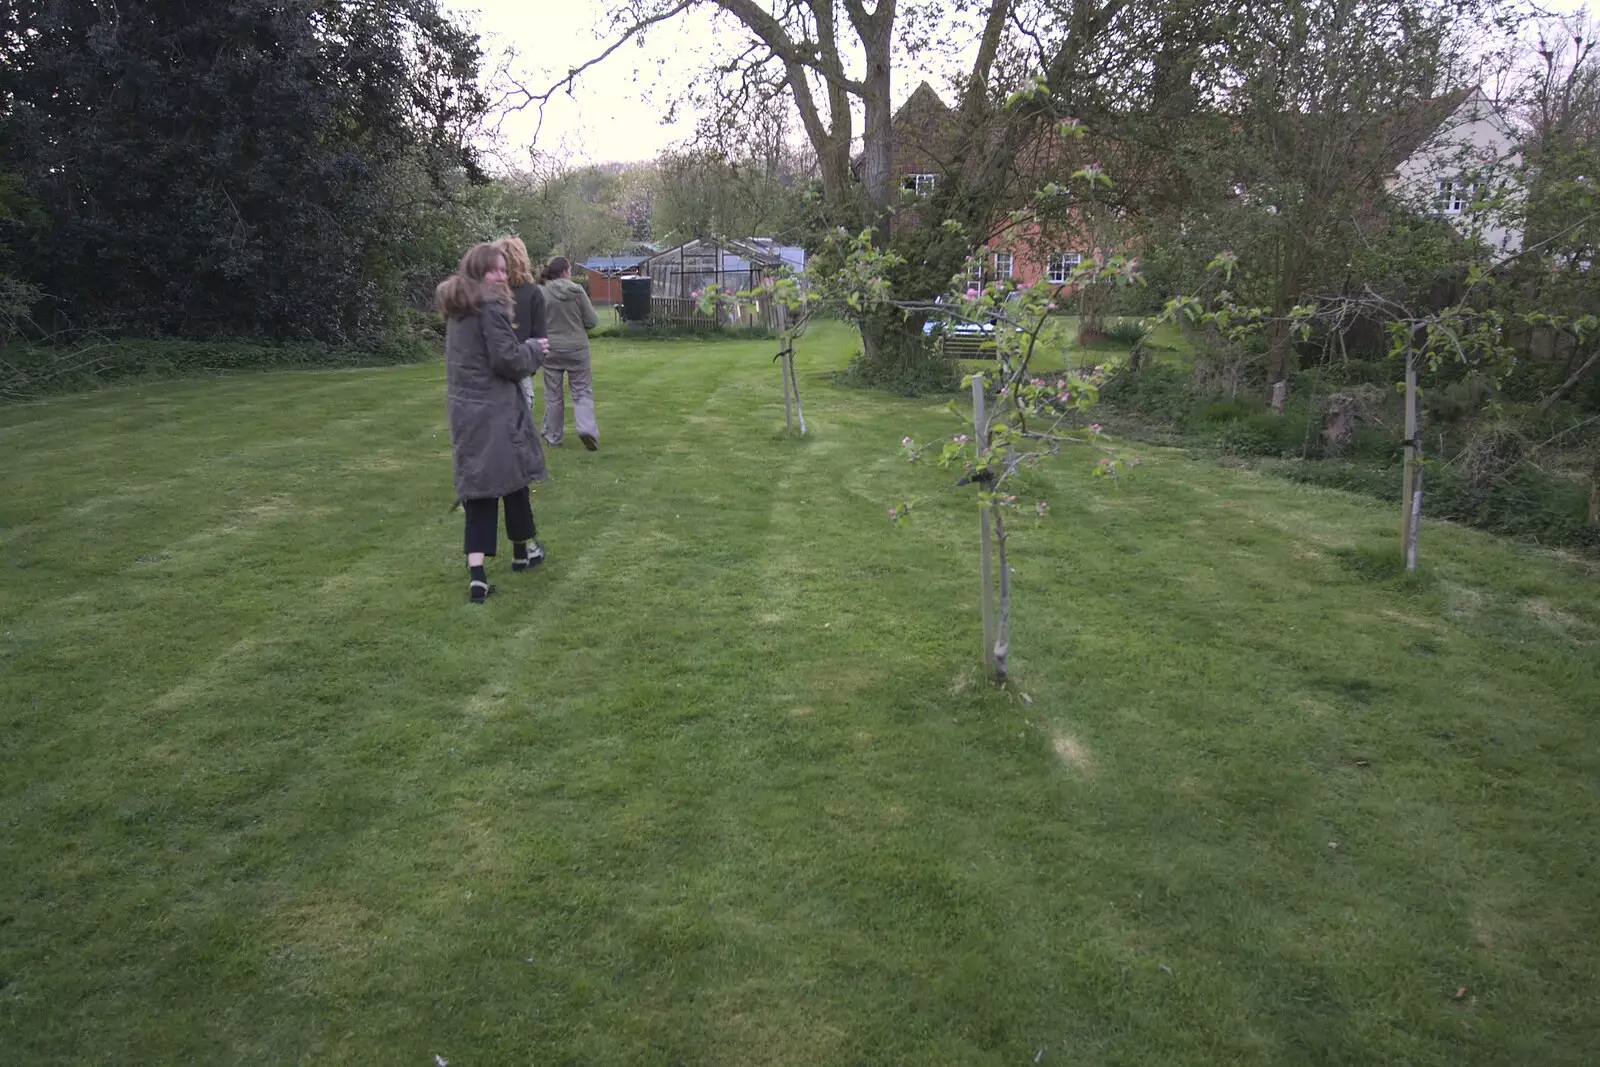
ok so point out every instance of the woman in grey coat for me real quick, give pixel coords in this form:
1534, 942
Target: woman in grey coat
568, 318
492, 440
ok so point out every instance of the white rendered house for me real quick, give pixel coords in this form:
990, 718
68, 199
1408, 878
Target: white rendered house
1468, 170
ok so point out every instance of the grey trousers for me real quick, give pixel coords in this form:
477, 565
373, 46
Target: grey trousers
574, 363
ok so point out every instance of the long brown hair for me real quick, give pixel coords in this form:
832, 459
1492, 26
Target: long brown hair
555, 269
465, 291
519, 269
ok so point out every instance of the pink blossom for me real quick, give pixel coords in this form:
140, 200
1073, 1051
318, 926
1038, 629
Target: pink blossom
961, 439
1094, 427
1042, 508
972, 294
906, 441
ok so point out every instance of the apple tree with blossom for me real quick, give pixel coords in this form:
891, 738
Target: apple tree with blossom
1021, 414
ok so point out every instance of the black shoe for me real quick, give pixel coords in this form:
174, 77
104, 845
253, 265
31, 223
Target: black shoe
478, 591
534, 557
589, 441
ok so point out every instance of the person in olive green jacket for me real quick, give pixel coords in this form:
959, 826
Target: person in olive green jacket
568, 318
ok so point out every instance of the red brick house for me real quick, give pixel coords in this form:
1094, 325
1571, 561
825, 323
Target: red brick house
1461, 123
922, 135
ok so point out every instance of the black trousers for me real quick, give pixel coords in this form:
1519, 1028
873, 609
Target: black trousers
481, 516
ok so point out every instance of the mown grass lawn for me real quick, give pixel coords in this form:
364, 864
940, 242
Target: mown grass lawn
723, 784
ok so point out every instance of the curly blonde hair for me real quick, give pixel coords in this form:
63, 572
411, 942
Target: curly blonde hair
519, 268
465, 291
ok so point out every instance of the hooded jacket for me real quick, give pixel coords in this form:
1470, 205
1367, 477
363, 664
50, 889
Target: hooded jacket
568, 314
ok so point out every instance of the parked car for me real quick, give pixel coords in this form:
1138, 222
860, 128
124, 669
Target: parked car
961, 335
940, 323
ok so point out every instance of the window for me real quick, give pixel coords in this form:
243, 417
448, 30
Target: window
1002, 264
1455, 196
921, 184
1060, 265
975, 270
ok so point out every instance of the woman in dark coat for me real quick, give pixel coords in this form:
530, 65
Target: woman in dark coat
492, 440
527, 305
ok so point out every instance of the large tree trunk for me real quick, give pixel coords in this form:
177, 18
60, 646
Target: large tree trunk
877, 126
1092, 303
1280, 349
896, 353
877, 148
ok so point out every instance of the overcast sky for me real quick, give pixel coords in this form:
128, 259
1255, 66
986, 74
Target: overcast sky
615, 113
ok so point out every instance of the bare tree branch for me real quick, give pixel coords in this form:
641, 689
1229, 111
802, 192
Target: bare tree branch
540, 99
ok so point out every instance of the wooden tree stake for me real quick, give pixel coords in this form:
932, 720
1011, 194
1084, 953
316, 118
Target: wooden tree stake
1411, 483
794, 381
1002, 636
980, 429
783, 369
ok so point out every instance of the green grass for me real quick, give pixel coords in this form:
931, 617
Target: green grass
722, 783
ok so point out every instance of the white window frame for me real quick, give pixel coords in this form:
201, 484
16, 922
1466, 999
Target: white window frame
975, 270
1058, 266
1011, 265
1455, 195
921, 184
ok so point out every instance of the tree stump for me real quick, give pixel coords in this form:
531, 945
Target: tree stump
1339, 426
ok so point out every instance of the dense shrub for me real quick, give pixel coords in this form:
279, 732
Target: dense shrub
1491, 481
33, 370
665, 331
1525, 502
